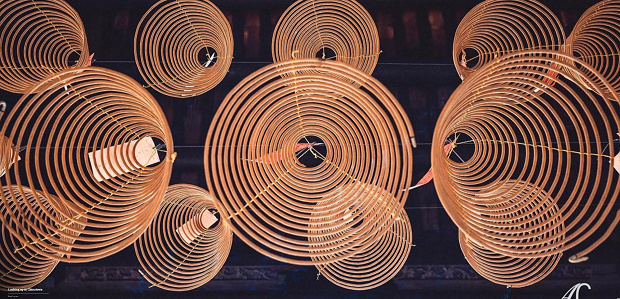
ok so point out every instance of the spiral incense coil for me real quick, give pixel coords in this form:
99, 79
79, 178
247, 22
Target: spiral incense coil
39, 38
172, 261
86, 136
596, 40
377, 264
310, 27
272, 207
497, 27
26, 268
183, 48
549, 133
505, 270
514, 216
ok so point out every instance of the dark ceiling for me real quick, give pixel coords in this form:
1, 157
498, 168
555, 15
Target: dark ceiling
416, 65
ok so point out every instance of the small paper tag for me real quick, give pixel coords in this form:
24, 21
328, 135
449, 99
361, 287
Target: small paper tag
204, 221
207, 219
348, 217
104, 168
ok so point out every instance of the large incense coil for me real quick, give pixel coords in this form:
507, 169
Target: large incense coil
596, 40
174, 42
110, 192
167, 259
377, 264
272, 206
309, 27
497, 27
38, 38
549, 132
26, 268
505, 270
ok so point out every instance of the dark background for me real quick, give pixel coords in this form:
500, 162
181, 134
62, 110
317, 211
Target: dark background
416, 65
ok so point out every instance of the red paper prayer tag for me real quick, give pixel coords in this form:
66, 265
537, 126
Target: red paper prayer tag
90, 59
428, 177
553, 74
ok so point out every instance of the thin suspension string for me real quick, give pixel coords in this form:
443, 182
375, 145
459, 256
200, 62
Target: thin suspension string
20, 264
540, 47
21, 149
355, 57
200, 236
193, 28
541, 146
162, 82
54, 26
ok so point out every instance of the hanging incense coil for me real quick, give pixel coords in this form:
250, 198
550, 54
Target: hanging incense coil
183, 48
39, 38
496, 27
272, 205
177, 252
550, 133
26, 268
90, 140
596, 40
515, 215
343, 28
377, 264
504, 270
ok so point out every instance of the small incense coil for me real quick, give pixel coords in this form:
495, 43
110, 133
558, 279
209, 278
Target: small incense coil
81, 125
377, 264
169, 45
514, 217
509, 271
39, 38
26, 268
168, 260
549, 132
272, 206
309, 27
496, 27
596, 40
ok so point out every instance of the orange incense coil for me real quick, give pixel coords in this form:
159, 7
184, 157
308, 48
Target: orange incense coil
367, 139
172, 261
26, 268
39, 38
596, 40
183, 48
377, 264
497, 27
505, 270
555, 139
83, 136
344, 28
514, 217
